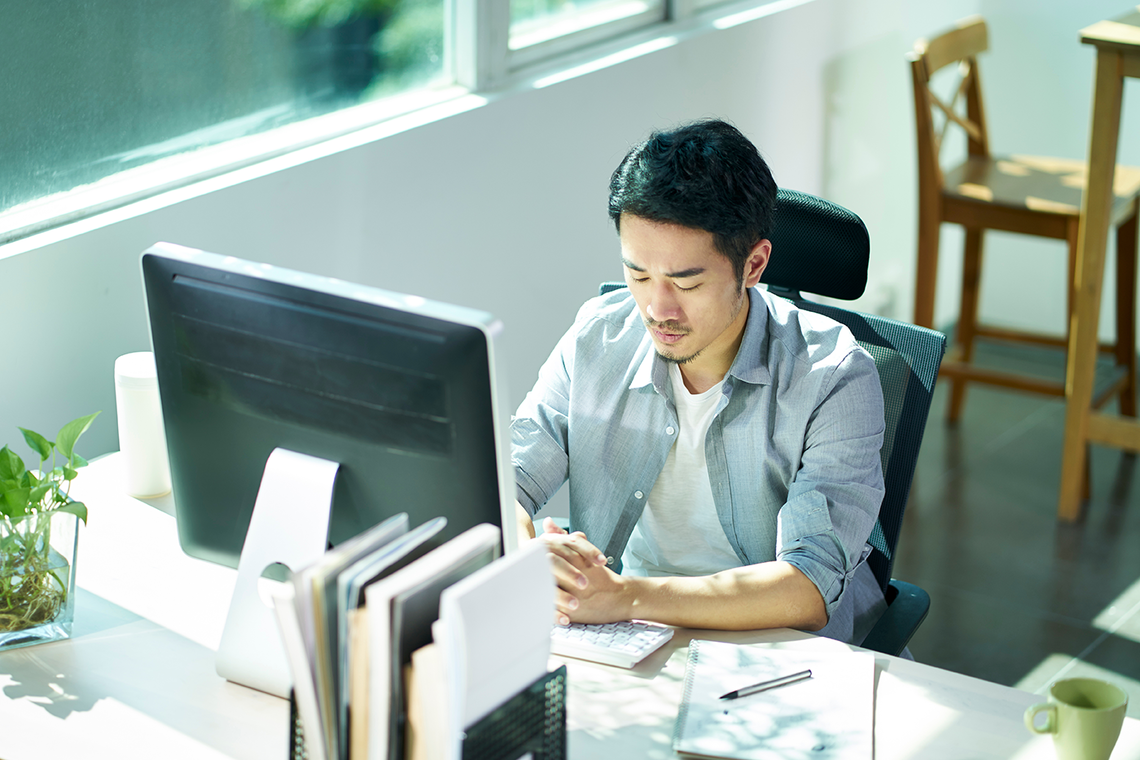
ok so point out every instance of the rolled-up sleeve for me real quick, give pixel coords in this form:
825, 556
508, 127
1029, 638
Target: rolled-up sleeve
834, 500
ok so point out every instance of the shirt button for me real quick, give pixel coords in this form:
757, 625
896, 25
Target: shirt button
609, 560
638, 494
669, 430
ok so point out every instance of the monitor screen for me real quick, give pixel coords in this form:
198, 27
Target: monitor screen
399, 390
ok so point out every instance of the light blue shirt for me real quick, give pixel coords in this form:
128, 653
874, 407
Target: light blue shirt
792, 453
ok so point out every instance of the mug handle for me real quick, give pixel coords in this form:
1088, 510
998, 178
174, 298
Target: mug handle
1050, 719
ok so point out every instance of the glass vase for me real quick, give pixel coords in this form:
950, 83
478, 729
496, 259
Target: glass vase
37, 578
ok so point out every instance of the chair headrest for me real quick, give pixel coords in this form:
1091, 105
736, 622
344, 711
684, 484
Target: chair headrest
817, 247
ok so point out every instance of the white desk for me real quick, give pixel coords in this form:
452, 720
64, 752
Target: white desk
137, 679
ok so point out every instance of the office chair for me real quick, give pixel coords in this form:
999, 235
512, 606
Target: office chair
1030, 195
822, 248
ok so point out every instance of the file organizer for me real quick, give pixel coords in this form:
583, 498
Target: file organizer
533, 721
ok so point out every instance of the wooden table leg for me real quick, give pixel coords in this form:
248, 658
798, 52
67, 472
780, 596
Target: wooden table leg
1096, 206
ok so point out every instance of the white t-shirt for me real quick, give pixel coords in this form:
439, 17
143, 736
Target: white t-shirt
679, 532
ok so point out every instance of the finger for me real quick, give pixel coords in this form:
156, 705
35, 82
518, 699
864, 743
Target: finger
549, 526
565, 603
577, 542
576, 552
566, 575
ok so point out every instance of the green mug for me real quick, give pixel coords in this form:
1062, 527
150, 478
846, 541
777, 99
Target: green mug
1084, 715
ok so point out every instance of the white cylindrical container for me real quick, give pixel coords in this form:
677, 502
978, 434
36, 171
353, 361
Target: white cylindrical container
142, 439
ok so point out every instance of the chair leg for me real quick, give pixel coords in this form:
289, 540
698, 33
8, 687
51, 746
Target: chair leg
1086, 481
1071, 291
1126, 311
967, 316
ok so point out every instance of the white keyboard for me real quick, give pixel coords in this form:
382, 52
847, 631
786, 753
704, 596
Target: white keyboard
622, 644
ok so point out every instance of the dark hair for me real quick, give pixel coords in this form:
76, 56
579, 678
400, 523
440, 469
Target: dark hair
705, 175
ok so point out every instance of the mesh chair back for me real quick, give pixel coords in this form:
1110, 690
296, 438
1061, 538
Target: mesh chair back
820, 247
817, 247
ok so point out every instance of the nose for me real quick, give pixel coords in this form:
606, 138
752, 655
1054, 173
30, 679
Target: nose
663, 305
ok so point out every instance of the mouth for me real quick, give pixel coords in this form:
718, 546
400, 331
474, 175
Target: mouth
667, 335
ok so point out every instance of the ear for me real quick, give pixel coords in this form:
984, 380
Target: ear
757, 262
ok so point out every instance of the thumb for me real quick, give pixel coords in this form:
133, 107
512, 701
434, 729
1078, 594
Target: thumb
549, 526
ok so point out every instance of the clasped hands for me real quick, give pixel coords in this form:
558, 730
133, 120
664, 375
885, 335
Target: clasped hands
588, 591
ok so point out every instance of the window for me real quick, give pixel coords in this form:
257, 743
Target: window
106, 103
93, 90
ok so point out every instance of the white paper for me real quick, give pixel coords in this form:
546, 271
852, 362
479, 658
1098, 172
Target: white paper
829, 716
304, 685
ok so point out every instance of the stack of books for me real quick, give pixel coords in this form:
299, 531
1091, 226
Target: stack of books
396, 620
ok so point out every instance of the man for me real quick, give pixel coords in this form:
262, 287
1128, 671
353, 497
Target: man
722, 446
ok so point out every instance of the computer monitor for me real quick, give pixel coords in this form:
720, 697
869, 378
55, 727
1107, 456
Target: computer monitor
401, 391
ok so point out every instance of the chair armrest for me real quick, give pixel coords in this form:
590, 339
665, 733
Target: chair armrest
907, 606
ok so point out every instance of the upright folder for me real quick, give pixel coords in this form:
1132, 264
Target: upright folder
400, 610
350, 585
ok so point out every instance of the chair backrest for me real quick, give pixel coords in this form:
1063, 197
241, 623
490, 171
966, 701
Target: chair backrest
820, 244
961, 46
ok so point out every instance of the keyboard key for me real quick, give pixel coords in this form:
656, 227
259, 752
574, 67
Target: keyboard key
622, 644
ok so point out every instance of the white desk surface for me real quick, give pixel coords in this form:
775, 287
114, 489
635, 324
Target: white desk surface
137, 678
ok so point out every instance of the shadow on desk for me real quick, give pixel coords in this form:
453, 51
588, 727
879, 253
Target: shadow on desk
130, 682
50, 688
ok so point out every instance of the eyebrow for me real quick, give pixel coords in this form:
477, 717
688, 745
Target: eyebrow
691, 272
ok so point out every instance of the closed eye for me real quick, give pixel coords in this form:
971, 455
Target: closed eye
640, 280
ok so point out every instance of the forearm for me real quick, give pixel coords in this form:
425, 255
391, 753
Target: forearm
767, 595
526, 525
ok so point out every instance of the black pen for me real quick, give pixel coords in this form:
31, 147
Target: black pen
765, 685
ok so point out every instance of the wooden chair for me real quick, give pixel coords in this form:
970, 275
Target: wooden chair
1023, 194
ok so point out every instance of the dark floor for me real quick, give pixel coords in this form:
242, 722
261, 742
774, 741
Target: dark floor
1017, 597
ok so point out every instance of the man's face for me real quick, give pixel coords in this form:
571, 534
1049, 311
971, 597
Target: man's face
689, 297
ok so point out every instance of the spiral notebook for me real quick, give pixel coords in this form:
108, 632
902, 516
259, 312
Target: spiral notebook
829, 716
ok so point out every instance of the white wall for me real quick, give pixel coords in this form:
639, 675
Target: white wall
503, 207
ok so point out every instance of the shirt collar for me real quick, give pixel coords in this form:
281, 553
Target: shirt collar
749, 365
645, 371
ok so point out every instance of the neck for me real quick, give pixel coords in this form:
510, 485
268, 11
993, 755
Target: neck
697, 381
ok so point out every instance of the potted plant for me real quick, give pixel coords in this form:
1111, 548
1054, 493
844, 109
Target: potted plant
38, 538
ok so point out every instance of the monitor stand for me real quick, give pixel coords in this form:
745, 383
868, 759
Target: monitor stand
289, 526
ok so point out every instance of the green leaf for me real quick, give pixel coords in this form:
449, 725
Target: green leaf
70, 433
11, 466
16, 501
38, 443
78, 461
77, 508
69, 473
37, 493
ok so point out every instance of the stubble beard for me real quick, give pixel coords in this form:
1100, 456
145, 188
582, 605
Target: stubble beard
664, 327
